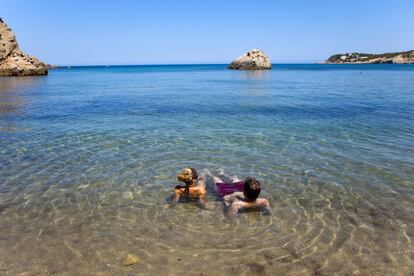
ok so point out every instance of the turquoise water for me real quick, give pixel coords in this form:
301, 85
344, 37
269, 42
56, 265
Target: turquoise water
89, 157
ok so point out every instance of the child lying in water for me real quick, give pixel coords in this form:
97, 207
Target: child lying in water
241, 195
194, 187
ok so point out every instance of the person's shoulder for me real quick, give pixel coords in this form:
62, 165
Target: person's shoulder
198, 190
258, 203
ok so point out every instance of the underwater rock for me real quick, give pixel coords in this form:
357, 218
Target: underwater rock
252, 60
131, 260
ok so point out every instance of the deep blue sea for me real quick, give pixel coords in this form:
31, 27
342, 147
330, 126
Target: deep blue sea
89, 157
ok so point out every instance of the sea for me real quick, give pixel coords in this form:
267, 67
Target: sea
89, 158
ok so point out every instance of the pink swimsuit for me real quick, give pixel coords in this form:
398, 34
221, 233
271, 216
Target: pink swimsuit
229, 188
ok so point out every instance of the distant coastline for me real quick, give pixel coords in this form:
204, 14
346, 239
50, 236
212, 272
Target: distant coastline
406, 57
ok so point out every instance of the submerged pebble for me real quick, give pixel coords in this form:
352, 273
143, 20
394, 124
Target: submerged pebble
83, 186
128, 195
130, 260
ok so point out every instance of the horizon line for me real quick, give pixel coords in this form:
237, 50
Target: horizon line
173, 64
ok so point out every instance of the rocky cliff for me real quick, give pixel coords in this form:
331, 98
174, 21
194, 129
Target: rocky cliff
398, 57
252, 60
13, 62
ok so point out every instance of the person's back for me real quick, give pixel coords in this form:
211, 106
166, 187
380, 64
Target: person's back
194, 188
251, 192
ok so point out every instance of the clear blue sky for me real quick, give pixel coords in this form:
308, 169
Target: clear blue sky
81, 32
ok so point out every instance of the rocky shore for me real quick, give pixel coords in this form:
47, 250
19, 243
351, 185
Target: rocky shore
252, 60
361, 58
13, 62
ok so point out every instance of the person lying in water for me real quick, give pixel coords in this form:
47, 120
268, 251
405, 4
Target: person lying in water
241, 195
194, 188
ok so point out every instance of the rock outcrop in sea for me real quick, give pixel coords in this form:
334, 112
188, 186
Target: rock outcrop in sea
13, 62
361, 58
252, 60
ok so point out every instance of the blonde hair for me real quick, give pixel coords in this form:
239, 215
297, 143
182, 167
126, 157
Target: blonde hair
187, 175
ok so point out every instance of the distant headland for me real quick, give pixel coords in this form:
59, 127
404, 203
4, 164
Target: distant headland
13, 62
361, 58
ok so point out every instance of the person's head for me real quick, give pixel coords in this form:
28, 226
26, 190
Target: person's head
187, 175
251, 188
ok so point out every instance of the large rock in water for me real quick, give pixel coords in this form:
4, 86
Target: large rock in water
252, 60
14, 62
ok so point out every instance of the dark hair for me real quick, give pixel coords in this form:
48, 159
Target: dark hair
187, 185
251, 188
194, 172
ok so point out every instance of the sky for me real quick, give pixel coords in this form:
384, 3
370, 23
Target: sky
104, 32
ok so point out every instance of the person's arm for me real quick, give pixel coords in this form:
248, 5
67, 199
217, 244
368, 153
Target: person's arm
177, 194
202, 200
233, 209
267, 210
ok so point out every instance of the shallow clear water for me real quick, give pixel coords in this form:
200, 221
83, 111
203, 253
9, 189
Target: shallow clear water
89, 157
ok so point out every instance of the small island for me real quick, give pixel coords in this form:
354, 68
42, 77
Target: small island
252, 60
362, 58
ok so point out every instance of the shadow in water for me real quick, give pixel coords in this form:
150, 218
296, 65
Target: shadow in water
254, 74
13, 96
11, 90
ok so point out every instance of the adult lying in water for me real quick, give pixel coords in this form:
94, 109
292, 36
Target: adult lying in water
194, 188
241, 195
